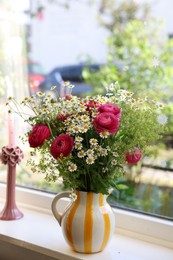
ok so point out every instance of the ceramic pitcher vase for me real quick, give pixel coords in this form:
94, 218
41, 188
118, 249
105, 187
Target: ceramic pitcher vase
87, 223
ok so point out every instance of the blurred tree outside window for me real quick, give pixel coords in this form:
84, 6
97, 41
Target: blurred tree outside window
140, 59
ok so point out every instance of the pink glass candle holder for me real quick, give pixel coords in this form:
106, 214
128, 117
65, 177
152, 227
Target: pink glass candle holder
11, 156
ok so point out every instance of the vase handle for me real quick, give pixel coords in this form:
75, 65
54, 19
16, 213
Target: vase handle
58, 215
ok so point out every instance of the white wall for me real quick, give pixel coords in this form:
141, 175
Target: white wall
163, 9
66, 36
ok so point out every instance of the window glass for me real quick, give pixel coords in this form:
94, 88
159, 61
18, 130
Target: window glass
13, 77
50, 43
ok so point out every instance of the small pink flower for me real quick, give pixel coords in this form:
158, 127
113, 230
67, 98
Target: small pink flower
134, 157
68, 96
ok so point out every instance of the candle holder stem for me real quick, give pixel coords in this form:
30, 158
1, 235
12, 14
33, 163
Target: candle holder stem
10, 210
11, 156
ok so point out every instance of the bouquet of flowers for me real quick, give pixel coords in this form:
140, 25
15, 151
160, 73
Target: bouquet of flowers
87, 142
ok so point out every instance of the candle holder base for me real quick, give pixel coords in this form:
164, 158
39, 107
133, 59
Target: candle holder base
9, 213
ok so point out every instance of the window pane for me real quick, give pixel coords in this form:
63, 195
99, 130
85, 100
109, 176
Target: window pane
60, 41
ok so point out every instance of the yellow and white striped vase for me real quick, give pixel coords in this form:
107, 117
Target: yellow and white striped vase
87, 223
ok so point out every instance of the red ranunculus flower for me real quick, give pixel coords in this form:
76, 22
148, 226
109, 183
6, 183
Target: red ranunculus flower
63, 144
134, 157
38, 135
92, 104
106, 122
110, 108
62, 117
68, 96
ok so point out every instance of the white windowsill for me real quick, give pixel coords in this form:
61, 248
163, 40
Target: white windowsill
136, 236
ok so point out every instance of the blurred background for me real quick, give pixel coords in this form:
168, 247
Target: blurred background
92, 43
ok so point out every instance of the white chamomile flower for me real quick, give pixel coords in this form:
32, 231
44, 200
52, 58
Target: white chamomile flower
66, 83
85, 118
105, 169
104, 134
78, 139
28, 99
49, 95
89, 160
81, 154
160, 105
76, 129
94, 114
72, 167
162, 119
81, 108
117, 100
132, 101
115, 154
128, 94
114, 162
141, 100
78, 146
84, 128
104, 152
99, 148
71, 86
53, 87
155, 62
93, 142
73, 196
90, 152
40, 94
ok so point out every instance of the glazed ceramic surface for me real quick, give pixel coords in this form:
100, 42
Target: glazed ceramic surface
88, 223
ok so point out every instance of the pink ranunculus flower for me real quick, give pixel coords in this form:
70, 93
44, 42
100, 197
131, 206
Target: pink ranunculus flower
106, 121
110, 108
38, 135
62, 145
134, 157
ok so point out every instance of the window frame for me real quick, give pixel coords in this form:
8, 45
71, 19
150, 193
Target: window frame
140, 226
